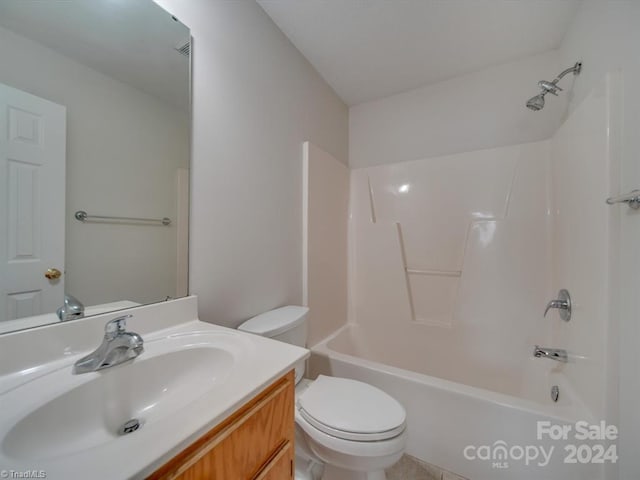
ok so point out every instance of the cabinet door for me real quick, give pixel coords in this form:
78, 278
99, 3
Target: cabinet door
243, 446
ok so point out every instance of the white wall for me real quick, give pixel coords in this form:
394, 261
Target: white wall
484, 109
326, 212
606, 36
256, 99
123, 149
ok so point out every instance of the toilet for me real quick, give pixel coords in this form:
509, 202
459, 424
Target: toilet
354, 427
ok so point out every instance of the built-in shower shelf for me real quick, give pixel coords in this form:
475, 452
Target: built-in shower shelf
432, 295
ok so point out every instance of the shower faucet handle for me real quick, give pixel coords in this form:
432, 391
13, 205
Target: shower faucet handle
562, 303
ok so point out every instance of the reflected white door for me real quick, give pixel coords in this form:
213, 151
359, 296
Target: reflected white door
32, 182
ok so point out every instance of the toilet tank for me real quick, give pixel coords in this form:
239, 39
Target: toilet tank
286, 324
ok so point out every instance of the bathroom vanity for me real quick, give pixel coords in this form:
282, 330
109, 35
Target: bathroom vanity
254, 442
208, 401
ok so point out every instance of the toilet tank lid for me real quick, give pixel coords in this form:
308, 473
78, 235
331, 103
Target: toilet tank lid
274, 322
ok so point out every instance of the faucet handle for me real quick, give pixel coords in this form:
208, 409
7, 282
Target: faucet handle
562, 303
115, 327
554, 304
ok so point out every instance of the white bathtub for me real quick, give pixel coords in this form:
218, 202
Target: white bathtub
454, 407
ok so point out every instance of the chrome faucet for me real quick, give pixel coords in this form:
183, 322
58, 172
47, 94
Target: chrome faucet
118, 346
72, 308
557, 354
562, 303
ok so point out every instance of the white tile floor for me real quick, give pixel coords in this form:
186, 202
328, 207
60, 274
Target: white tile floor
409, 468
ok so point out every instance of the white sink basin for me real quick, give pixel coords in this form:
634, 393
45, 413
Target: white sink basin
191, 376
89, 409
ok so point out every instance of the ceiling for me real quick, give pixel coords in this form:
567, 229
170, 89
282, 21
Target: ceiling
131, 40
369, 49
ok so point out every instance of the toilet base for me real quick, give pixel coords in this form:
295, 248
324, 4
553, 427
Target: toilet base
308, 470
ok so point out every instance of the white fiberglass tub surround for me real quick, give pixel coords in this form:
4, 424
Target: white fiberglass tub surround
451, 263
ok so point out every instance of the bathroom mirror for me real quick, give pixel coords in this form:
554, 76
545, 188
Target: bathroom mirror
94, 146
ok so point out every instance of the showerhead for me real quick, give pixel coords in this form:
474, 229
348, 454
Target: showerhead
536, 103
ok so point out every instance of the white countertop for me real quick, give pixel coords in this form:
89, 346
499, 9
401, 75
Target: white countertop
138, 454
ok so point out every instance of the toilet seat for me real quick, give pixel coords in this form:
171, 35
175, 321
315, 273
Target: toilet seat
351, 410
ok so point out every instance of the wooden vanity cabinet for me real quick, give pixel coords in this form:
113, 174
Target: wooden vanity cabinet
254, 443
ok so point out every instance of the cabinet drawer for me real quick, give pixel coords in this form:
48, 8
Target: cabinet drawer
281, 467
245, 445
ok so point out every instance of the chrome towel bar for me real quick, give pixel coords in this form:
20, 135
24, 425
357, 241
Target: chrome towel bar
632, 199
83, 216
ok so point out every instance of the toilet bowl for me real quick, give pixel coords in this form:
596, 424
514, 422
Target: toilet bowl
355, 427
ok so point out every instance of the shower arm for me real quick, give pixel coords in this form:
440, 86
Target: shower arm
575, 70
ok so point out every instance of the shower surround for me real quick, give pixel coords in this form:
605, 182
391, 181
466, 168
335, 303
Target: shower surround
451, 255
451, 261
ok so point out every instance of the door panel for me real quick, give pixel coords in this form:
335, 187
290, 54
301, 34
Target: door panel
32, 175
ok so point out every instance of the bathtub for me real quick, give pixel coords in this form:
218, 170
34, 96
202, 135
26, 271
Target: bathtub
461, 417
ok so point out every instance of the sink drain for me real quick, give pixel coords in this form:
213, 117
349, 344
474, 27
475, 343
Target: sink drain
129, 426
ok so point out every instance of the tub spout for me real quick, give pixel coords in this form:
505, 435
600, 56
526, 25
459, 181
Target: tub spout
558, 354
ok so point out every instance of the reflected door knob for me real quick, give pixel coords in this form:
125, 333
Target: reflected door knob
53, 273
